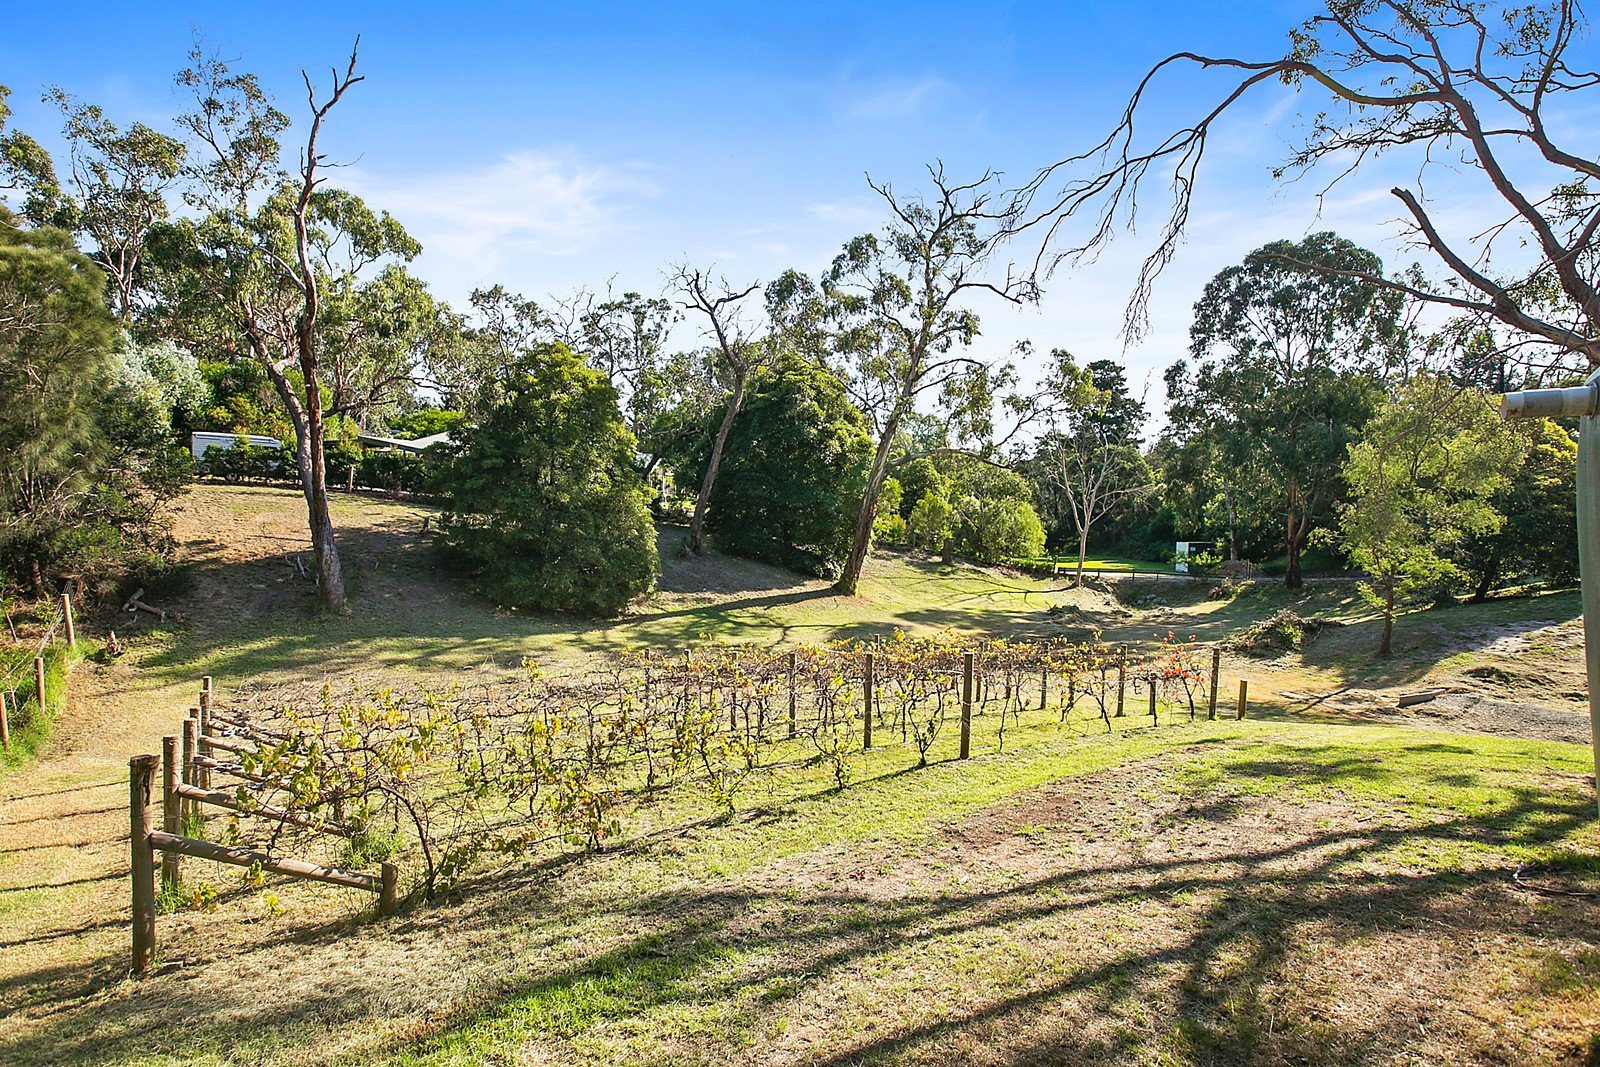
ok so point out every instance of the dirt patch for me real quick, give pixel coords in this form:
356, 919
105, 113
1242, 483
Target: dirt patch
1456, 712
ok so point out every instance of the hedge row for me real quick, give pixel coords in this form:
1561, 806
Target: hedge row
389, 471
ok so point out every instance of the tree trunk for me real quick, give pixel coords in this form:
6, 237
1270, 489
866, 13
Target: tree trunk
1293, 542
330, 573
697, 524
305, 415
1491, 574
1083, 551
1233, 523
1388, 615
850, 576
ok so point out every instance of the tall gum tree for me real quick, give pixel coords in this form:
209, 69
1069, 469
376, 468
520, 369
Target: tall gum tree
1090, 457
267, 248
738, 352
1287, 368
894, 308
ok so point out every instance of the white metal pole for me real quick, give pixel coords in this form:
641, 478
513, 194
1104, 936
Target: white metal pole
1581, 401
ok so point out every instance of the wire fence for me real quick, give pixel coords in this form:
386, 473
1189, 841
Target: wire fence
496, 768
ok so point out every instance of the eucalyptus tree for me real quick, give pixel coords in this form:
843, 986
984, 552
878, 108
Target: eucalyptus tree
1285, 374
26, 168
737, 347
1460, 90
265, 251
665, 395
892, 310
1090, 457
379, 336
114, 191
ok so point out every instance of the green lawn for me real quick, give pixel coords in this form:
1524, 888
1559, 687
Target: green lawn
1271, 890
1013, 908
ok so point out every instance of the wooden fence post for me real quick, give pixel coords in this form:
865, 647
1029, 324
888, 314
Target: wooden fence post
207, 729
1044, 687
169, 805
140, 770
966, 705
1216, 668
1153, 719
866, 705
1244, 688
66, 616
191, 741
387, 894
38, 684
1122, 676
794, 666
5, 724
205, 692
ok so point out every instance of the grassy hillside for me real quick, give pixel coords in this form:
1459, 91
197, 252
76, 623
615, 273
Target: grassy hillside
1329, 881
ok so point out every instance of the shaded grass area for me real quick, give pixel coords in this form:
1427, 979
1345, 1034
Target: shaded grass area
1228, 892
250, 616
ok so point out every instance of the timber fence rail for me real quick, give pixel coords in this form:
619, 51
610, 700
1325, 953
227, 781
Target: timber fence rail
186, 778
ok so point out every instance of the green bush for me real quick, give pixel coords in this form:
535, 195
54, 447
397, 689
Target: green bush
792, 472
544, 508
246, 462
29, 729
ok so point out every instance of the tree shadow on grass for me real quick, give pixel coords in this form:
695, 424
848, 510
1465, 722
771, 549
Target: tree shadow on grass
700, 970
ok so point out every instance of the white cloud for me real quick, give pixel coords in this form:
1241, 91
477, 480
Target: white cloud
854, 213
896, 100
527, 204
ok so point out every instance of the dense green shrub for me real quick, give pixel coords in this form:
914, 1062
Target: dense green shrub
792, 472
398, 472
992, 511
929, 523
246, 462
543, 506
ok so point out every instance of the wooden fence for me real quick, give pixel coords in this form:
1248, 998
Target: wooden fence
213, 743
11, 686
186, 790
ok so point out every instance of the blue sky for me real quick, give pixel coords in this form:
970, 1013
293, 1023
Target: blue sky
549, 146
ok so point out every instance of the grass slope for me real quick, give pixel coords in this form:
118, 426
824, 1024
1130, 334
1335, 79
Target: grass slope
1318, 884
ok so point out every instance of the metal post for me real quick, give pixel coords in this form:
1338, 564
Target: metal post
1583, 402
